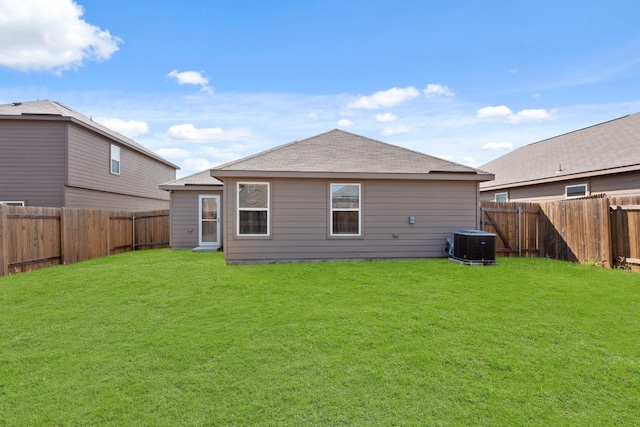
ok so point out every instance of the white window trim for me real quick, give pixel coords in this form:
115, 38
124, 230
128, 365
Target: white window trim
506, 193
115, 155
332, 209
200, 198
267, 209
566, 191
12, 202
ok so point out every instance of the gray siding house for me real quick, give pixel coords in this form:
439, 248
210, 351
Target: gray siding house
339, 196
51, 155
600, 159
196, 207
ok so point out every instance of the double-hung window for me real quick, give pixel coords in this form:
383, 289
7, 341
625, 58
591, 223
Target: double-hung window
575, 191
253, 209
115, 159
346, 208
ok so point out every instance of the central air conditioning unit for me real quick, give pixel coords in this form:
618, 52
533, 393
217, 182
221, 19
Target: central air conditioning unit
473, 247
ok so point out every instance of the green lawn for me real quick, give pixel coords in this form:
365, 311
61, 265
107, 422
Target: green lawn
179, 338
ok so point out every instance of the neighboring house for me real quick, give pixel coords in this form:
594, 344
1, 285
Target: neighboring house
601, 159
51, 155
196, 205
343, 196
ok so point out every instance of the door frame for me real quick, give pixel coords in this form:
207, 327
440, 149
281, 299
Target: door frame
218, 220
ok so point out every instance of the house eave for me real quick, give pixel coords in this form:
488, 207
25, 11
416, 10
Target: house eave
560, 178
432, 176
198, 187
61, 118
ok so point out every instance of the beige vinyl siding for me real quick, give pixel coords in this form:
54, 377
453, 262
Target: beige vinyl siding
93, 199
300, 221
32, 162
184, 217
90, 168
621, 184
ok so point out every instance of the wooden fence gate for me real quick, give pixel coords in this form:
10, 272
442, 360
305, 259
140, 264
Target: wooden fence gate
517, 228
601, 230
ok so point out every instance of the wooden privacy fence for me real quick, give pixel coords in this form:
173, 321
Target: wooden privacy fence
602, 230
35, 237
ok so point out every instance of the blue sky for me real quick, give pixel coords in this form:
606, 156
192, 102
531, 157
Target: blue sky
206, 82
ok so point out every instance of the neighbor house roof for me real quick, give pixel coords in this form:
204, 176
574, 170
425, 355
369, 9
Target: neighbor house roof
605, 148
192, 182
52, 110
343, 154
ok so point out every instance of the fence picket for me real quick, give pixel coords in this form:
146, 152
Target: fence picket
35, 237
596, 230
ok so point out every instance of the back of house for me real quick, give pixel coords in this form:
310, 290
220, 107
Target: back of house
340, 196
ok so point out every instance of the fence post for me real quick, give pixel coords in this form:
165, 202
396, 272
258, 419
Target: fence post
4, 241
608, 240
63, 236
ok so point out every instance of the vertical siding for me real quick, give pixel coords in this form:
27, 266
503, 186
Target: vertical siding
300, 218
32, 162
184, 217
89, 168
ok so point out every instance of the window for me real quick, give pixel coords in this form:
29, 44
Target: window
253, 209
345, 210
115, 159
501, 197
12, 203
575, 191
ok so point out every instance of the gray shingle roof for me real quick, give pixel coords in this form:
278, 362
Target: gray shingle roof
53, 108
197, 179
593, 150
337, 151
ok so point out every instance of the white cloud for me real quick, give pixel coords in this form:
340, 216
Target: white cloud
434, 90
49, 35
489, 112
446, 157
386, 117
530, 116
173, 153
385, 98
522, 116
197, 164
191, 78
188, 132
345, 123
395, 130
130, 128
469, 161
497, 146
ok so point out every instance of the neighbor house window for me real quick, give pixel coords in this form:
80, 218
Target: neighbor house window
345, 209
115, 159
253, 209
501, 197
574, 191
12, 203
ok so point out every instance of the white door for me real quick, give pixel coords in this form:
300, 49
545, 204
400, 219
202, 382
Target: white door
209, 222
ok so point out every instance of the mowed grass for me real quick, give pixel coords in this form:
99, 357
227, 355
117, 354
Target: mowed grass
179, 338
